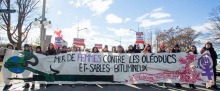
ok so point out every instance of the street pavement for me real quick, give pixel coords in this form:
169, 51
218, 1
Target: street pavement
119, 87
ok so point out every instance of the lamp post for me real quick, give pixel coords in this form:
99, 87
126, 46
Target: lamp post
119, 40
133, 30
80, 30
43, 23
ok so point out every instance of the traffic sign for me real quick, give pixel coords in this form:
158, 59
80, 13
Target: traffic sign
7, 11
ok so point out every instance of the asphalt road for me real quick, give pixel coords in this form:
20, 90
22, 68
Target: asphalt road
138, 87
117, 87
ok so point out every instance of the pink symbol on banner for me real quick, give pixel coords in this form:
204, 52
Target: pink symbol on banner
186, 74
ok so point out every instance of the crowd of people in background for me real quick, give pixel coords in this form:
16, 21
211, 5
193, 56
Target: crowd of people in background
119, 49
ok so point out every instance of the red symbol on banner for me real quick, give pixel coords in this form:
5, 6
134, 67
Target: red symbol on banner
58, 33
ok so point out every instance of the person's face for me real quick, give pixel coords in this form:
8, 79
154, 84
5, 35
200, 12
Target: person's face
119, 49
105, 49
64, 49
74, 49
113, 48
163, 48
208, 46
138, 47
38, 50
176, 48
69, 49
148, 47
10, 47
95, 49
51, 46
193, 49
130, 47
30, 47
27, 48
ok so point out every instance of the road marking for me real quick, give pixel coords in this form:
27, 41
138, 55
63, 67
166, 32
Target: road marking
99, 85
133, 86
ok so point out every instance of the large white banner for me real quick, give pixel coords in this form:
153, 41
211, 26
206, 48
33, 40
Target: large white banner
103, 68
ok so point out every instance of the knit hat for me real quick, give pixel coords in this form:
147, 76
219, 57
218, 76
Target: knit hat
26, 45
106, 46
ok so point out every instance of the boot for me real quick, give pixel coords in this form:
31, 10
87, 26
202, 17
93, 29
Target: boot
7, 87
33, 86
215, 87
165, 85
192, 86
178, 85
26, 85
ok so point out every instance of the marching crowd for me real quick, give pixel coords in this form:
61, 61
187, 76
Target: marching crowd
119, 49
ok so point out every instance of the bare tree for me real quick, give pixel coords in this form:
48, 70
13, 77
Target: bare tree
25, 11
215, 18
148, 36
184, 37
37, 41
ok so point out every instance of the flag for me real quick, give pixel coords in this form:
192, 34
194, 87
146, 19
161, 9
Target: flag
58, 42
78, 42
139, 37
99, 46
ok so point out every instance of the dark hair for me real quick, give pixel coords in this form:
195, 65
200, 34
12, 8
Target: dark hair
49, 46
64, 47
26, 45
121, 48
177, 46
106, 46
195, 52
93, 50
114, 50
130, 46
51, 51
210, 45
10, 45
38, 47
148, 45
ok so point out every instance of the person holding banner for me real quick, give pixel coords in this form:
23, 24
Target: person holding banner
6, 81
38, 50
105, 49
95, 50
209, 48
120, 49
147, 49
114, 49
51, 50
74, 49
130, 49
193, 50
64, 49
162, 49
15, 46
176, 49
26, 74
78, 49
136, 48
